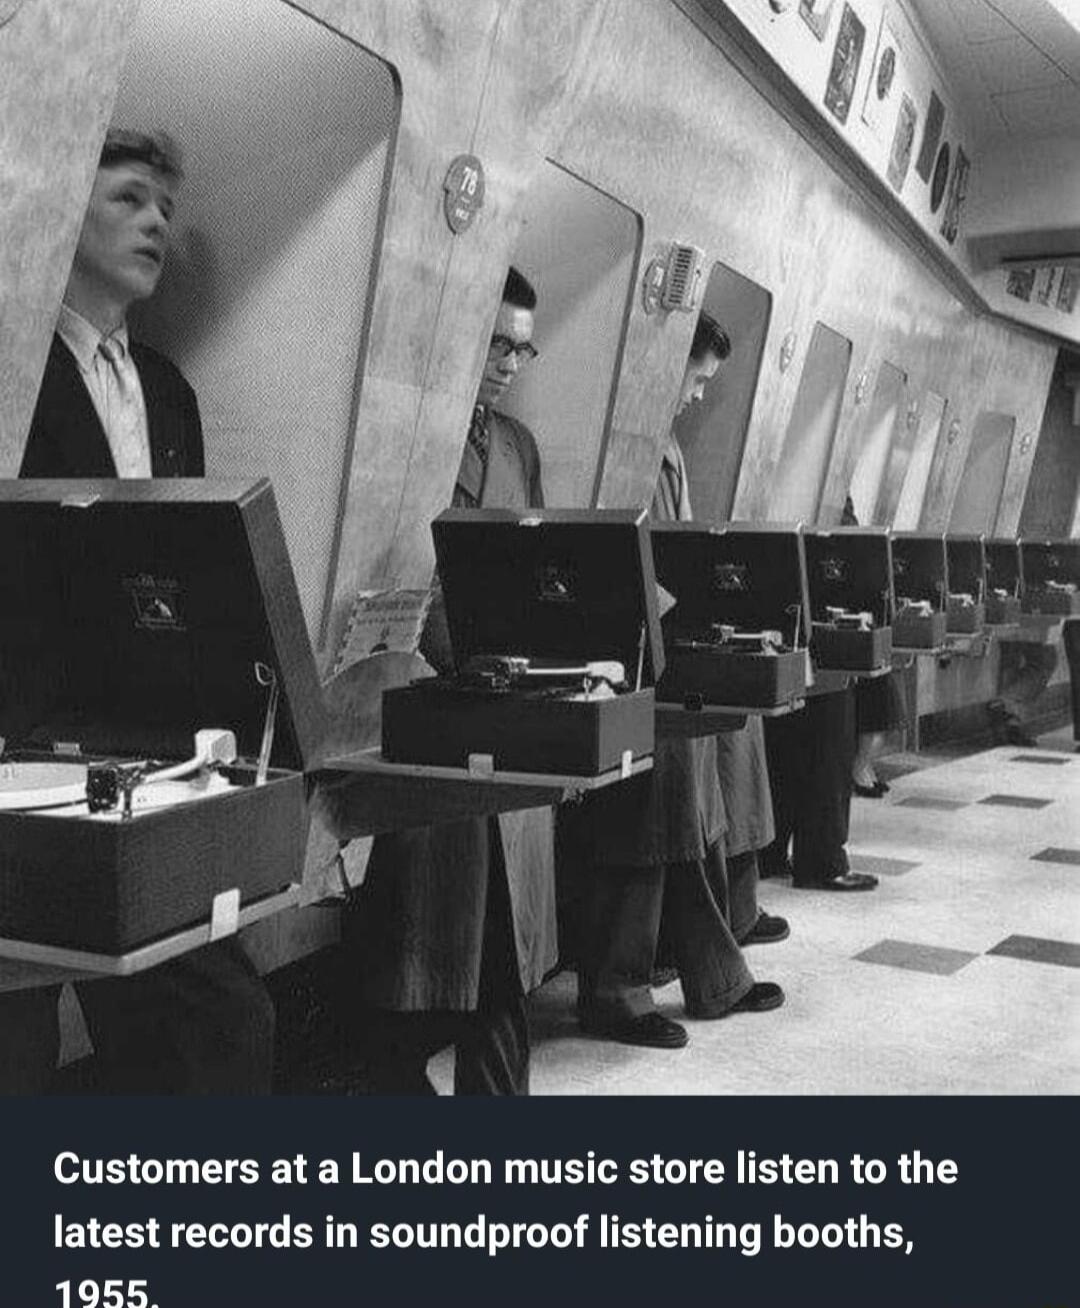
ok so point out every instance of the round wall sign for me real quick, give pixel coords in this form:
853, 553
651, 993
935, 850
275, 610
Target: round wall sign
463, 192
941, 176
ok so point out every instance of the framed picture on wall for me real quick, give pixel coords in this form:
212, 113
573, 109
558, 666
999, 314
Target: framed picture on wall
903, 142
941, 177
844, 73
950, 224
1046, 284
816, 14
882, 88
1070, 283
935, 121
1019, 283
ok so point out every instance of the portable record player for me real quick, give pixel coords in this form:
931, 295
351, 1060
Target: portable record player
849, 572
736, 635
965, 609
148, 624
1051, 576
555, 643
920, 583
1004, 582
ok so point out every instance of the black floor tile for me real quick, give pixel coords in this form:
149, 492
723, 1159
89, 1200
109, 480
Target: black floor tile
916, 958
926, 801
1033, 949
1016, 801
1052, 855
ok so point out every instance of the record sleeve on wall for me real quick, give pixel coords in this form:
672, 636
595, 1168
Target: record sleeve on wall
941, 177
903, 142
1018, 283
1070, 283
816, 14
844, 73
935, 121
882, 90
950, 224
1046, 284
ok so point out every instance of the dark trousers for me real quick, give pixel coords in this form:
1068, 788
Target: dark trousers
810, 757
491, 1043
742, 878
1072, 653
29, 1040
200, 1024
678, 909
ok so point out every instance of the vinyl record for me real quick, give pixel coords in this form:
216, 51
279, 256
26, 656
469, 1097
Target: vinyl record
941, 177
41, 785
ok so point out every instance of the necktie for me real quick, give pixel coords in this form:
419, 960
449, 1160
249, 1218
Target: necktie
469, 489
125, 413
479, 436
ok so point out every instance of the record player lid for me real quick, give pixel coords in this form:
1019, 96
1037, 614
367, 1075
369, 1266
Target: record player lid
967, 564
850, 568
1003, 569
135, 613
550, 583
920, 567
751, 576
1051, 560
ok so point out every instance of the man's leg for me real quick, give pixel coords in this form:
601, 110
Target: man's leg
200, 1024
29, 1040
820, 857
621, 912
492, 1047
785, 748
1072, 653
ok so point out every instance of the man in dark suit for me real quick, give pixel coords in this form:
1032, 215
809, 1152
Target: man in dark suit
656, 880
455, 924
109, 407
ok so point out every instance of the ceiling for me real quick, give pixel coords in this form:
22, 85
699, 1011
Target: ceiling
1015, 64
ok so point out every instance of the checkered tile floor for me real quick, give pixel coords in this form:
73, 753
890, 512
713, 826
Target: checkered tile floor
958, 974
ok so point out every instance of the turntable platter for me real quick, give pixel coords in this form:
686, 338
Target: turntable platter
41, 785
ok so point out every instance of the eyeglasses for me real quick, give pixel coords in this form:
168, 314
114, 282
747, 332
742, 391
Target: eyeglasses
502, 347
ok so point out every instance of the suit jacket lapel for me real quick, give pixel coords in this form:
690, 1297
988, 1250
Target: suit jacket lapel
71, 417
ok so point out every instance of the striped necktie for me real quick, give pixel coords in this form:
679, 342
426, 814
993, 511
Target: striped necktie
125, 424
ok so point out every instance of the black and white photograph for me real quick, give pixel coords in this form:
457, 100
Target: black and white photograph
847, 56
542, 621
907, 118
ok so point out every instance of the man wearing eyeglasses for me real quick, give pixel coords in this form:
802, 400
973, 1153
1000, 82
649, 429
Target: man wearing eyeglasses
455, 924
500, 467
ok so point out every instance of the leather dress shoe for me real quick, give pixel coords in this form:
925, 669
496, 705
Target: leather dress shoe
653, 1030
875, 791
760, 998
767, 930
841, 881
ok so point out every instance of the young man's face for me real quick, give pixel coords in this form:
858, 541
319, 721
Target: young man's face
513, 328
698, 372
121, 248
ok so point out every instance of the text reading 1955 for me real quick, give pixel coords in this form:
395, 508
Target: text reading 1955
105, 1294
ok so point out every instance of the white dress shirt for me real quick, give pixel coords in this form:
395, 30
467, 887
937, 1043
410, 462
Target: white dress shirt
112, 381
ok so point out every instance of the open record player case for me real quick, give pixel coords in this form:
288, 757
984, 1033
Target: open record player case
921, 576
746, 577
565, 587
850, 568
136, 612
1051, 576
966, 556
1004, 582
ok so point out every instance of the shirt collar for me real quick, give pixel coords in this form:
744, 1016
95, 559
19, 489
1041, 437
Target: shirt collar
83, 339
672, 454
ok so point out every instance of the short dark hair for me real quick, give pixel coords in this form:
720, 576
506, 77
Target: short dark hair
518, 290
709, 338
157, 150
